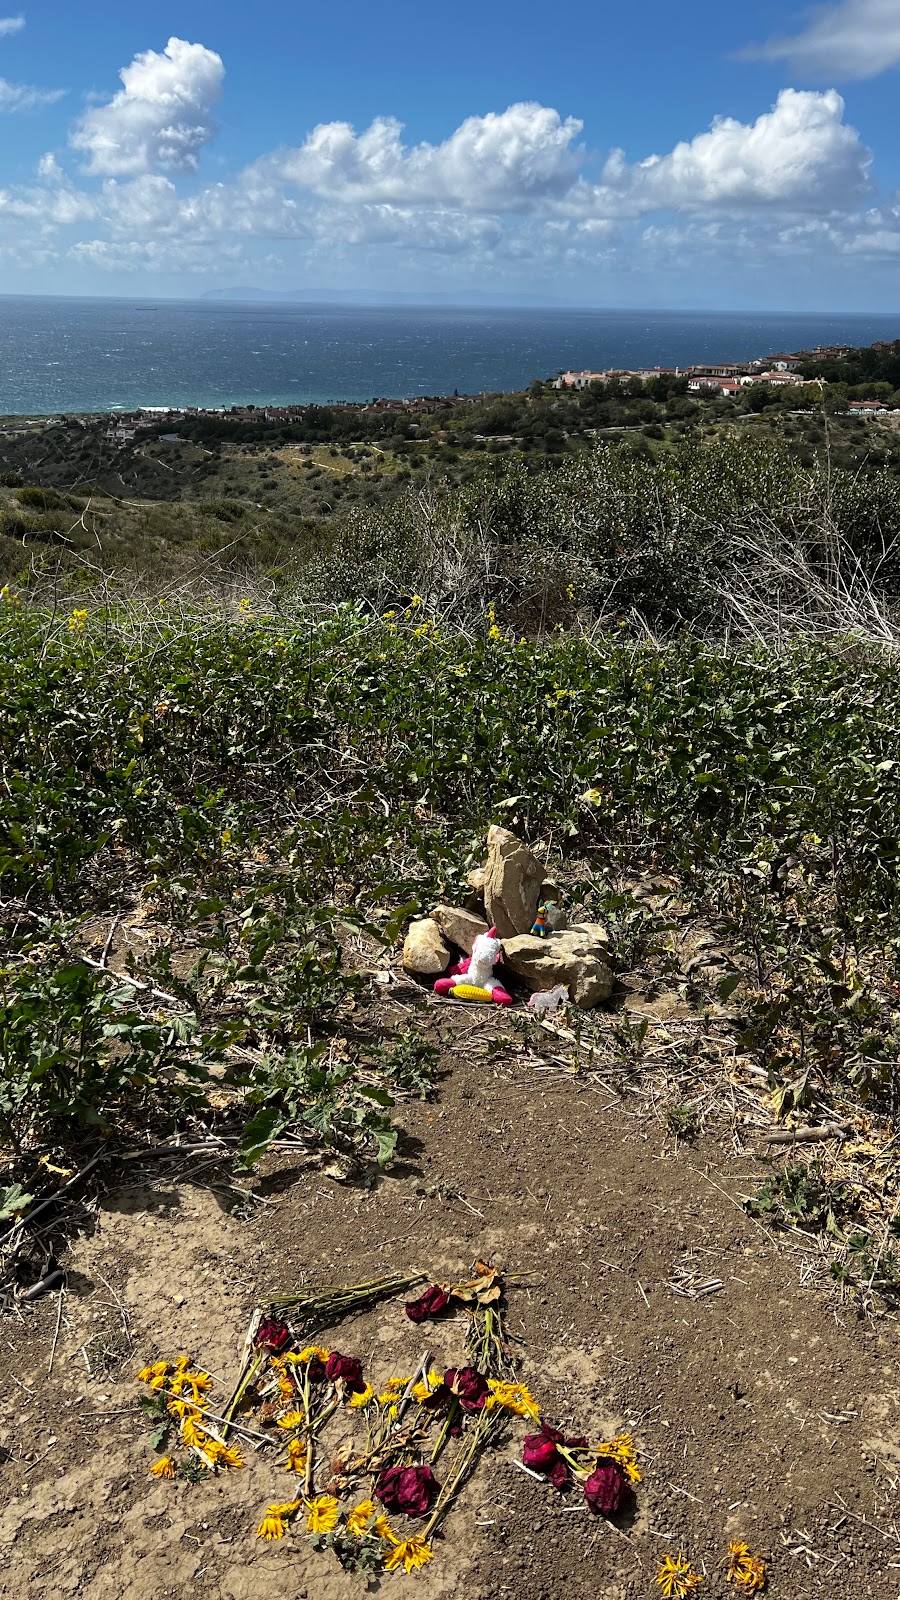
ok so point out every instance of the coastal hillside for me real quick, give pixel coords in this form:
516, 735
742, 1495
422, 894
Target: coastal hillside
256, 757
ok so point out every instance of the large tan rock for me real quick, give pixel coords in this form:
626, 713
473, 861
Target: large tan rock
512, 883
460, 927
424, 950
577, 958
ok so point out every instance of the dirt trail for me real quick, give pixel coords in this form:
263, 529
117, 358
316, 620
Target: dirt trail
762, 1411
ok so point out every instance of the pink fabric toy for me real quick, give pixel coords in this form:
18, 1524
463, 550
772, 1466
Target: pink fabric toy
473, 979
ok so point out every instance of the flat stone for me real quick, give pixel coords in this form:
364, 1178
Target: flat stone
512, 883
460, 927
574, 958
597, 931
424, 950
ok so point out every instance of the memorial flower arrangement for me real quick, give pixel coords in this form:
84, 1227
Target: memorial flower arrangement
410, 1442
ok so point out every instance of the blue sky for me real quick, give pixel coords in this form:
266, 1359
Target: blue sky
651, 155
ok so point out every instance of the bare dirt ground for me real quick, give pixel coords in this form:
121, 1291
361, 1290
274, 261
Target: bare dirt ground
766, 1410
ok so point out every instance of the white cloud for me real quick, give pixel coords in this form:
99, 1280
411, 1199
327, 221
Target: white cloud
162, 117
850, 39
10, 25
23, 97
801, 155
512, 160
512, 191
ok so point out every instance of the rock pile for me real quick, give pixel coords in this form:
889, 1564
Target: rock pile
506, 893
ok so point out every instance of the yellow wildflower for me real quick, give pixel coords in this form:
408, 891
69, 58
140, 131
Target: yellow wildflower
745, 1569
321, 1513
229, 1456
416, 601
296, 1456
291, 1419
163, 1468
382, 1527
512, 1397
409, 1553
226, 836
359, 1518
677, 1578
621, 1450
362, 1398
77, 621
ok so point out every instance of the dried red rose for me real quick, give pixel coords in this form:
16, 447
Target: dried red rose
607, 1490
347, 1367
539, 1452
469, 1386
410, 1490
430, 1304
272, 1335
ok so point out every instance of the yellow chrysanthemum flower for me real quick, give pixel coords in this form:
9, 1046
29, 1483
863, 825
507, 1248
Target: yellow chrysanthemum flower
296, 1456
409, 1553
382, 1527
321, 1513
291, 1419
191, 1434
621, 1450
512, 1397
272, 1525
157, 1370
183, 1408
359, 1518
362, 1398
230, 1456
677, 1578
745, 1569
311, 1353
163, 1468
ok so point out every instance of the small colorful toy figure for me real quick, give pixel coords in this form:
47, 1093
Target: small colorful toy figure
539, 928
473, 979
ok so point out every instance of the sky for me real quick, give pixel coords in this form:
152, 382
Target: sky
699, 156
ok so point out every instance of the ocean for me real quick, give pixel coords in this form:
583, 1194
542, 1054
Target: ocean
60, 355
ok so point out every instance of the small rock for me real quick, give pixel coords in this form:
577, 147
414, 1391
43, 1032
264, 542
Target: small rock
576, 958
424, 950
460, 927
512, 883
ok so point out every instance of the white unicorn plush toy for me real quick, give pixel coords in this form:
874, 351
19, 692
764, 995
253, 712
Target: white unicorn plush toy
473, 979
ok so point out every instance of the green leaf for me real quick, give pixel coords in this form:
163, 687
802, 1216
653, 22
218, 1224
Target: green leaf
268, 1123
726, 986
380, 1096
386, 1140
13, 1202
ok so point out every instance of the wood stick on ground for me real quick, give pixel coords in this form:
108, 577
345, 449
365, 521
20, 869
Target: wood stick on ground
417, 1377
808, 1135
59, 1312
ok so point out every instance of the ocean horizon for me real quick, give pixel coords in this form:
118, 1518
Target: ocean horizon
77, 354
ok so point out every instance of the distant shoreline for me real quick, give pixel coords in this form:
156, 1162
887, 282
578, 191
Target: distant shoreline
77, 356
